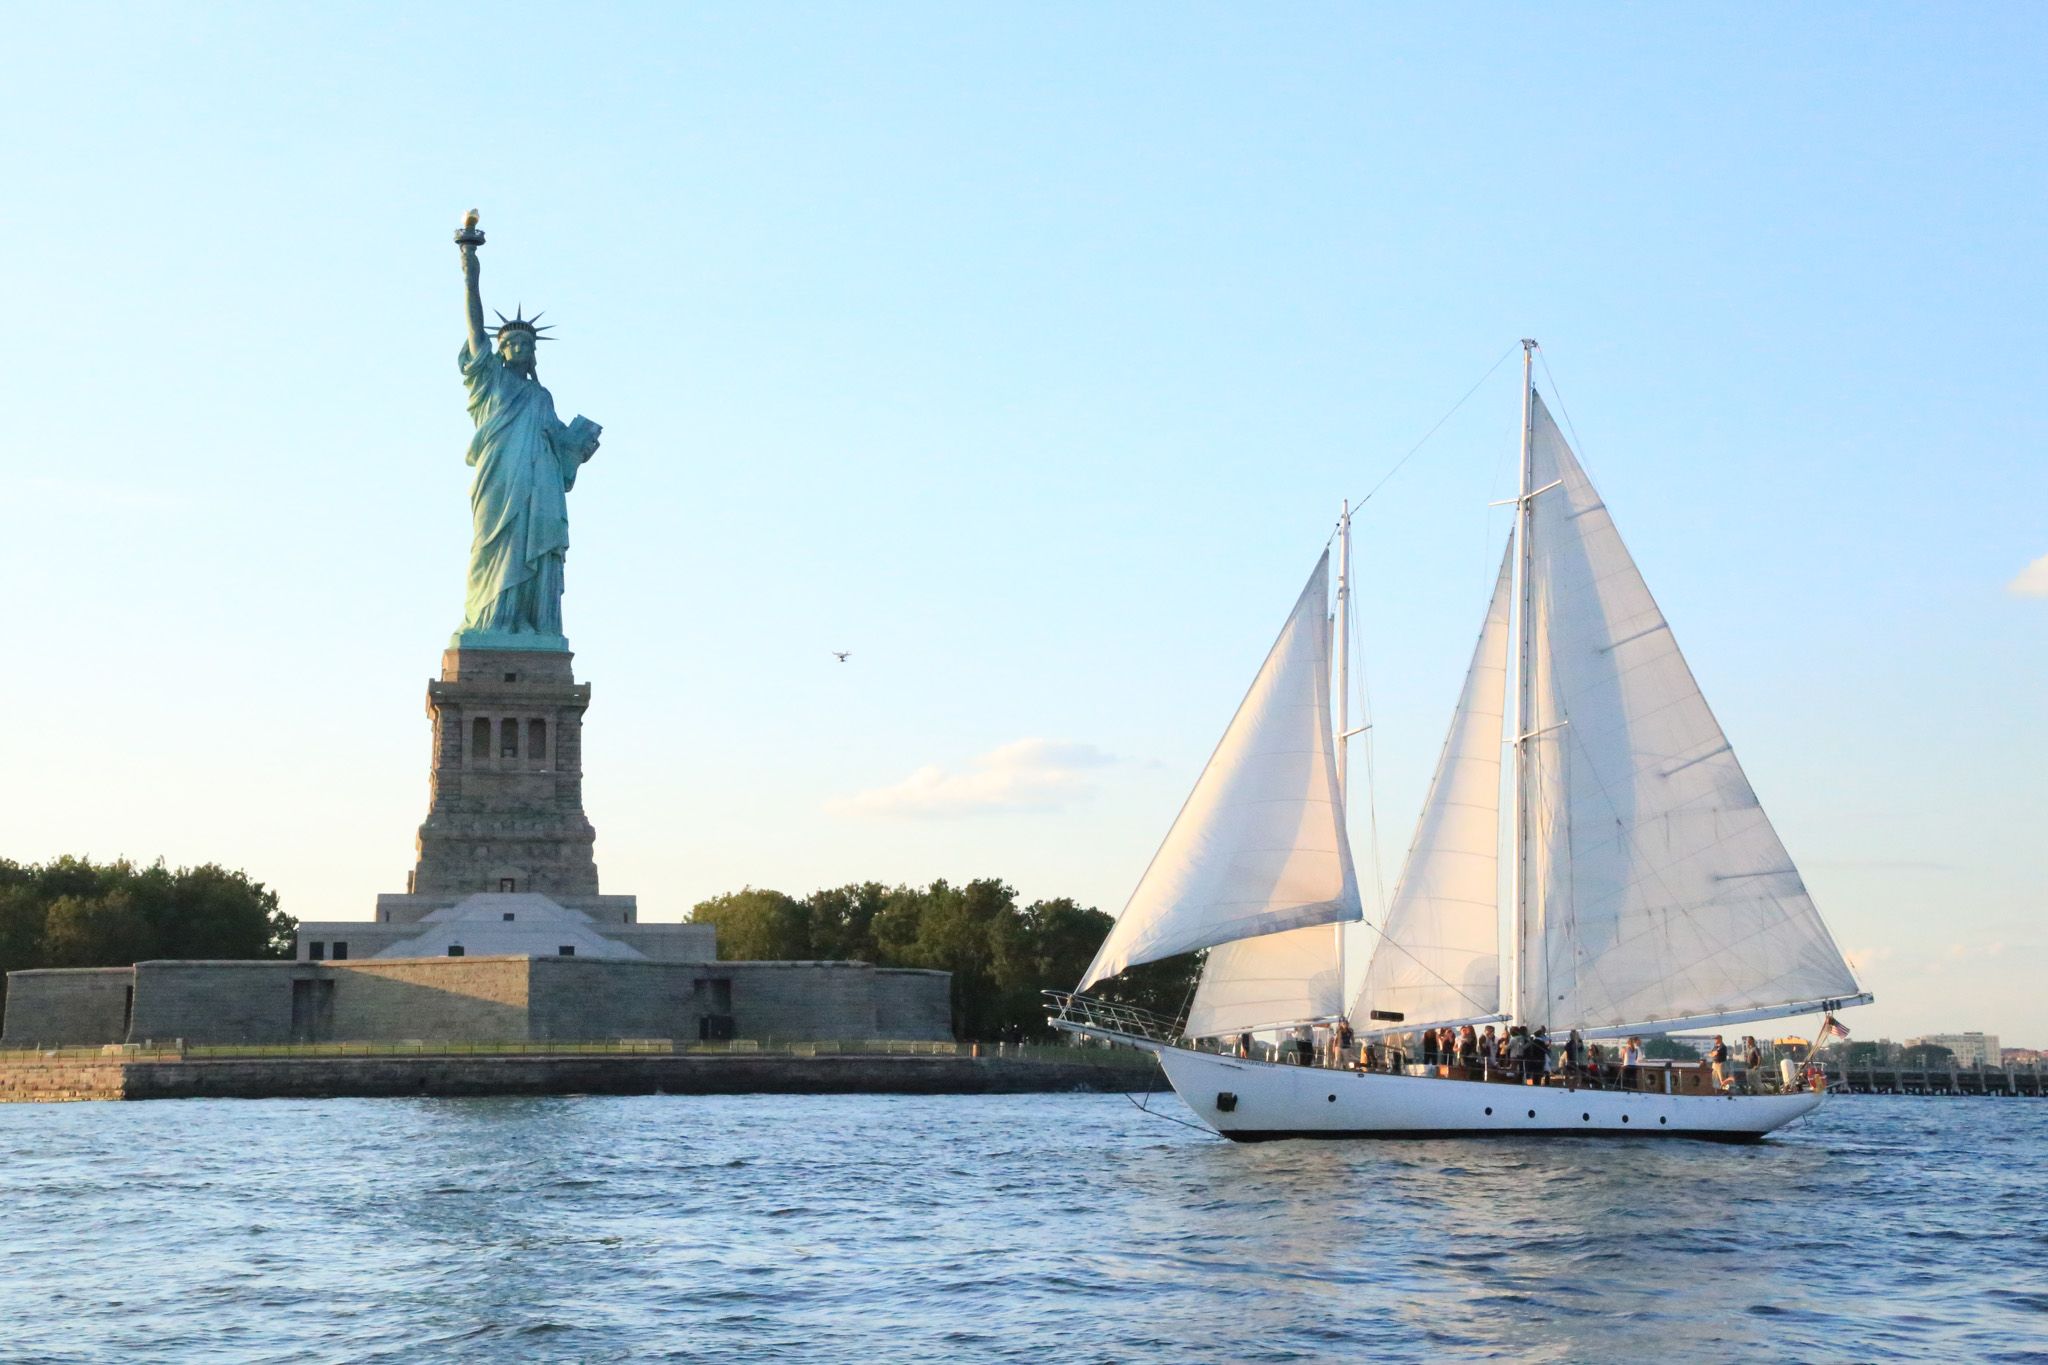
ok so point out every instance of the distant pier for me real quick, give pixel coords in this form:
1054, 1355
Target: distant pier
1893, 1079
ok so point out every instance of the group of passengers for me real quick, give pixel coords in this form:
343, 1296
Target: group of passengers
1752, 1063
1512, 1054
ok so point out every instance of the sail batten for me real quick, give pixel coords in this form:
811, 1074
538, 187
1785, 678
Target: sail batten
1438, 957
1659, 889
1259, 846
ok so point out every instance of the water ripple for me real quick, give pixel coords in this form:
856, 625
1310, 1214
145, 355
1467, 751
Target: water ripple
929, 1229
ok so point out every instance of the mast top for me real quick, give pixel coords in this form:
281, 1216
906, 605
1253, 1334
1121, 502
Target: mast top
1528, 343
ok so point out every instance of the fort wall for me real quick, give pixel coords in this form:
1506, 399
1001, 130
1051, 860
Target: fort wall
213, 1002
67, 1006
474, 999
911, 1003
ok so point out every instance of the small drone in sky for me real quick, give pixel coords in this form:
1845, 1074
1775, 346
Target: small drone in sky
842, 654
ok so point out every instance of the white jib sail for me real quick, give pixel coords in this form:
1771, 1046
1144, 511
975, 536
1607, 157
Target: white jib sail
1659, 889
1268, 982
1259, 847
1438, 957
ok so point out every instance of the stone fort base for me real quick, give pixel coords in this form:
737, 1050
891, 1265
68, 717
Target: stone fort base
473, 999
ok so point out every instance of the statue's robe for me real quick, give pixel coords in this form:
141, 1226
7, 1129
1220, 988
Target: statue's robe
526, 461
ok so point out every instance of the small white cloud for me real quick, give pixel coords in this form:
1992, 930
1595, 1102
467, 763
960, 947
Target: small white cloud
1026, 775
2033, 580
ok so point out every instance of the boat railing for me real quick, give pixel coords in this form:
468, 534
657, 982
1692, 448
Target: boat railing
1065, 1010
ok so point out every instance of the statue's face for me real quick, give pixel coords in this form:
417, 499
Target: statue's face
517, 348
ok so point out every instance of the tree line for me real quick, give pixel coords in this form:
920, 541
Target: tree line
1001, 954
73, 912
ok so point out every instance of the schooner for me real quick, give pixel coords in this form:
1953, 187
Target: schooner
1647, 891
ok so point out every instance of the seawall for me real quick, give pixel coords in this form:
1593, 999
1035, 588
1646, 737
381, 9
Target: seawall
608, 1073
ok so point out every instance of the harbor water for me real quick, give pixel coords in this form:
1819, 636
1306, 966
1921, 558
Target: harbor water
1033, 1227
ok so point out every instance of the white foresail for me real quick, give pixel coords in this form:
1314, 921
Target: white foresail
1268, 982
1259, 847
1438, 957
1659, 890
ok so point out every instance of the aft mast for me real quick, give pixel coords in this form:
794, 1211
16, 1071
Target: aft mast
1342, 647
1523, 690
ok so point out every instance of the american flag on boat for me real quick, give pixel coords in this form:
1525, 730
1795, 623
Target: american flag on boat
1831, 1027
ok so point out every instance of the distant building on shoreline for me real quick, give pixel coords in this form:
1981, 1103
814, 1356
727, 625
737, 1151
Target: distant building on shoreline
1971, 1049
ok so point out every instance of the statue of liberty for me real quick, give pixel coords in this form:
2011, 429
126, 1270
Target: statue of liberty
526, 461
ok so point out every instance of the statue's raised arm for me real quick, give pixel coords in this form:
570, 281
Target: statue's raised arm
468, 238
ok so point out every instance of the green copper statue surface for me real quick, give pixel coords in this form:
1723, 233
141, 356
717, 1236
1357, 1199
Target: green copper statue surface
526, 460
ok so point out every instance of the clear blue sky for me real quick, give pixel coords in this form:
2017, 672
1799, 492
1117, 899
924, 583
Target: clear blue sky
1026, 352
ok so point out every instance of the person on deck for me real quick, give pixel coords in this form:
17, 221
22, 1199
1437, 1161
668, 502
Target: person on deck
1752, 1064
1631, 1062
1489, 1050
1536, 1055
1719, 1057
1574, 1056
1429, 1047
1517, 1052
1596, 1066
1244, 1044
1468, 1048
1341, 1036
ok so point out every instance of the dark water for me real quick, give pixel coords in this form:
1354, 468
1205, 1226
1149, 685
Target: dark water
1064, 1227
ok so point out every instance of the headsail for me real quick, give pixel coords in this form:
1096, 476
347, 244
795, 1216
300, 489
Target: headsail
1659, 890
1268, 982
1259, 847
1438, 957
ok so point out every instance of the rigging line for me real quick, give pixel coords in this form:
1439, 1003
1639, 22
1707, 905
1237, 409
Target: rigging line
1442, 980
1154, 1113
1187, 1003
1558, 393
1453, 412
1373, 824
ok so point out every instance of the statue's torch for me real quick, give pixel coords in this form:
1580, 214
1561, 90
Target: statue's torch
469, 234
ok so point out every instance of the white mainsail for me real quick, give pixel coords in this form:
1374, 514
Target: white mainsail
1268, 982
1659, 893
1438, 957
1259, 848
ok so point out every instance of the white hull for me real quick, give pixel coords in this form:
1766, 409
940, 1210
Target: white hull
1275, 1101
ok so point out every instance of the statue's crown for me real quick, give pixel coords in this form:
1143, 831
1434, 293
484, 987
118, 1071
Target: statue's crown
520, 323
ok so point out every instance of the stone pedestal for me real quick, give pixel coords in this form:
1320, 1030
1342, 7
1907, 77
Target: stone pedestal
506, 808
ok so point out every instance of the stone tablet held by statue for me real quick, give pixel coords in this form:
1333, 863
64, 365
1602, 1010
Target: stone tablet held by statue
526, 460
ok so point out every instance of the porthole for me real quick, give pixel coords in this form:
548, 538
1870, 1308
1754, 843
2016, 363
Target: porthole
1587, 1117
1662, 1119
1532, 1113
1333, 1099
1489, 1111
1624, 1118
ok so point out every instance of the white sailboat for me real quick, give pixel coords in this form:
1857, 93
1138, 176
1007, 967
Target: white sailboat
1648, 892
